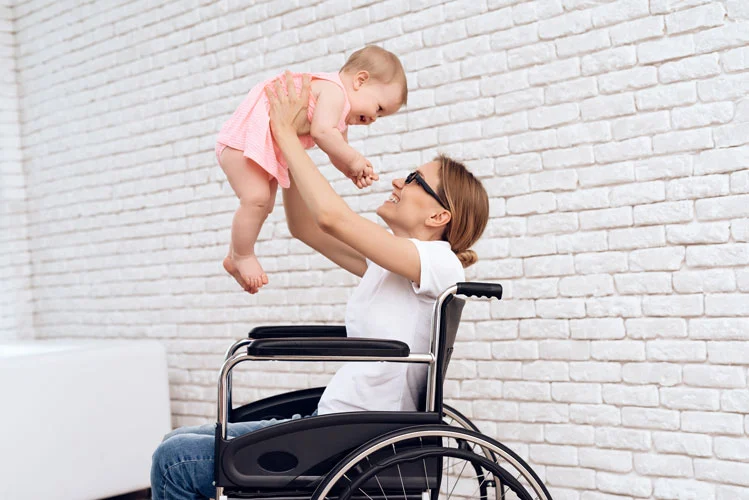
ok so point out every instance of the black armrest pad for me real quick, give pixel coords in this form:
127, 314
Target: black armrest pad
297, 331
328, 347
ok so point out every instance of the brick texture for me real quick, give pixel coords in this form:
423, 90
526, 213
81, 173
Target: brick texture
611, 135
16, 304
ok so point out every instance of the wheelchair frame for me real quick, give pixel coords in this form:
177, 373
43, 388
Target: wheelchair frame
394, 351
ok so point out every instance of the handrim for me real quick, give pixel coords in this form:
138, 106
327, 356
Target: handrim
422, 431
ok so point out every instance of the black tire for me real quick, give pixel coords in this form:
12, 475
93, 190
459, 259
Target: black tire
456, 417
415, 466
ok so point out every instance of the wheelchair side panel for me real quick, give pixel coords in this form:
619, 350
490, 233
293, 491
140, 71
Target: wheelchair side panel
295, 454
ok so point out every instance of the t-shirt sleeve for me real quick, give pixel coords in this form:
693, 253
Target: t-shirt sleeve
440, 268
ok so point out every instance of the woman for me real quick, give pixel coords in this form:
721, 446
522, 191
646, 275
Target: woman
435, 214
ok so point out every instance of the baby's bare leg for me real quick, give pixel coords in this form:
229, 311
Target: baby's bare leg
252, 186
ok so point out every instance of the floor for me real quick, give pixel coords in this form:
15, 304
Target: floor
137, 495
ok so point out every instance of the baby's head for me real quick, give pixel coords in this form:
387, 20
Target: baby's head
375, 83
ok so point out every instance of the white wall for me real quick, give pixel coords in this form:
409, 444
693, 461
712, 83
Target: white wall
612, 136
15, 269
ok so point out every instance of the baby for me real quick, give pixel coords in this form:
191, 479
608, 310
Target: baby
370, 85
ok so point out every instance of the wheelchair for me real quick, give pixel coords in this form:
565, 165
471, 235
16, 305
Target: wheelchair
429, 454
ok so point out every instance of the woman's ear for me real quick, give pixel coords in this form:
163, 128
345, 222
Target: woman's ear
439, 219
360, 79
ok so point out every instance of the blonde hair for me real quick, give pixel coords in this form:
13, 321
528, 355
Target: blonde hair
382, 65
468, 203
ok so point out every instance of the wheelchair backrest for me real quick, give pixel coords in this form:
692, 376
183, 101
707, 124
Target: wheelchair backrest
452, 308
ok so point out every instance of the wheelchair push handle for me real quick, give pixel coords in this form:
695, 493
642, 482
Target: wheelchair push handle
478, 289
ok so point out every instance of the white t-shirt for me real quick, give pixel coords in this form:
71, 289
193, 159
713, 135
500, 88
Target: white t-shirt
388, 306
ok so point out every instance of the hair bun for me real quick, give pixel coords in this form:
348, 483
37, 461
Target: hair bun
467, 257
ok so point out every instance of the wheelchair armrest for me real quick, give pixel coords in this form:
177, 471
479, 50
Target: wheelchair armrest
297, 331
329, 347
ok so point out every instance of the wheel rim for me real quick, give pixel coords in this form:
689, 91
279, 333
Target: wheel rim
472, 486
451, 416
507, 474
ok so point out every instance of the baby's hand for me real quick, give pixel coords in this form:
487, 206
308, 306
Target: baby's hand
359, 166
366, 179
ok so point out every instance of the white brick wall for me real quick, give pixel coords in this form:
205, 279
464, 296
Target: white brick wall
611, 134
15, 268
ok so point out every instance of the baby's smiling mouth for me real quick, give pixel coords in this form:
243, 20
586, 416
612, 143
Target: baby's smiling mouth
356, 120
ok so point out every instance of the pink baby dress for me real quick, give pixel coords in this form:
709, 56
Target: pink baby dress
248, 129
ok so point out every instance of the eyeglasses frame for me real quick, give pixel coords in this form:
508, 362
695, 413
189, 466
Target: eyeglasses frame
416, 176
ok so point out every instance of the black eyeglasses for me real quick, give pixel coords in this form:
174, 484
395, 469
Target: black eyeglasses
416, 176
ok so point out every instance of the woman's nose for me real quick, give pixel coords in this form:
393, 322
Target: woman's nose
399, 182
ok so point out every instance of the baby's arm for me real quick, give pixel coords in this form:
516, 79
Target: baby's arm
337, 161
366, 176
324, 130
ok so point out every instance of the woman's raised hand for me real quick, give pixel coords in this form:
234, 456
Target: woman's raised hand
288, 111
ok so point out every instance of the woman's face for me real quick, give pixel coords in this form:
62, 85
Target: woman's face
409, 205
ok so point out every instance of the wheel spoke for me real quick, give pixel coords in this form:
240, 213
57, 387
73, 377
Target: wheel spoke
456, 481
403, 486
350, 481
365, 494
447, 478
453, 466
378, 481
424, 463
496, 472
479, 486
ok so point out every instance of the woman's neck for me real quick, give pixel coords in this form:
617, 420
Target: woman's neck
421, 233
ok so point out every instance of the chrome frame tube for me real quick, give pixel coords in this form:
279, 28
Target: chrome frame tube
431, 392
229, 364
229, 353
235, 347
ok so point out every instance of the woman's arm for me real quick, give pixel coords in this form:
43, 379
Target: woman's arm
303, 227
328, 210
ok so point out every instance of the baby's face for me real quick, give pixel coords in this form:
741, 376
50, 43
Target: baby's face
373, 100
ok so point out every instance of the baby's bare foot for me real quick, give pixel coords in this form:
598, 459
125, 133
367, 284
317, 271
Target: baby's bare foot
251, 272
232, 270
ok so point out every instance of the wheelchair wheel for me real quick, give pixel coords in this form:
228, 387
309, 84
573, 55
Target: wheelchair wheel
453, 417
430, 462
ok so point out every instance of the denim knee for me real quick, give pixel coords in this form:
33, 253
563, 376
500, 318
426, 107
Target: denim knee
182, 467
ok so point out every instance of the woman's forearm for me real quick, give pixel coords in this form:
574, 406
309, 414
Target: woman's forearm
323, 202
299, 220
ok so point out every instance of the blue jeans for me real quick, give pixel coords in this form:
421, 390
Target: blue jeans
182, 466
